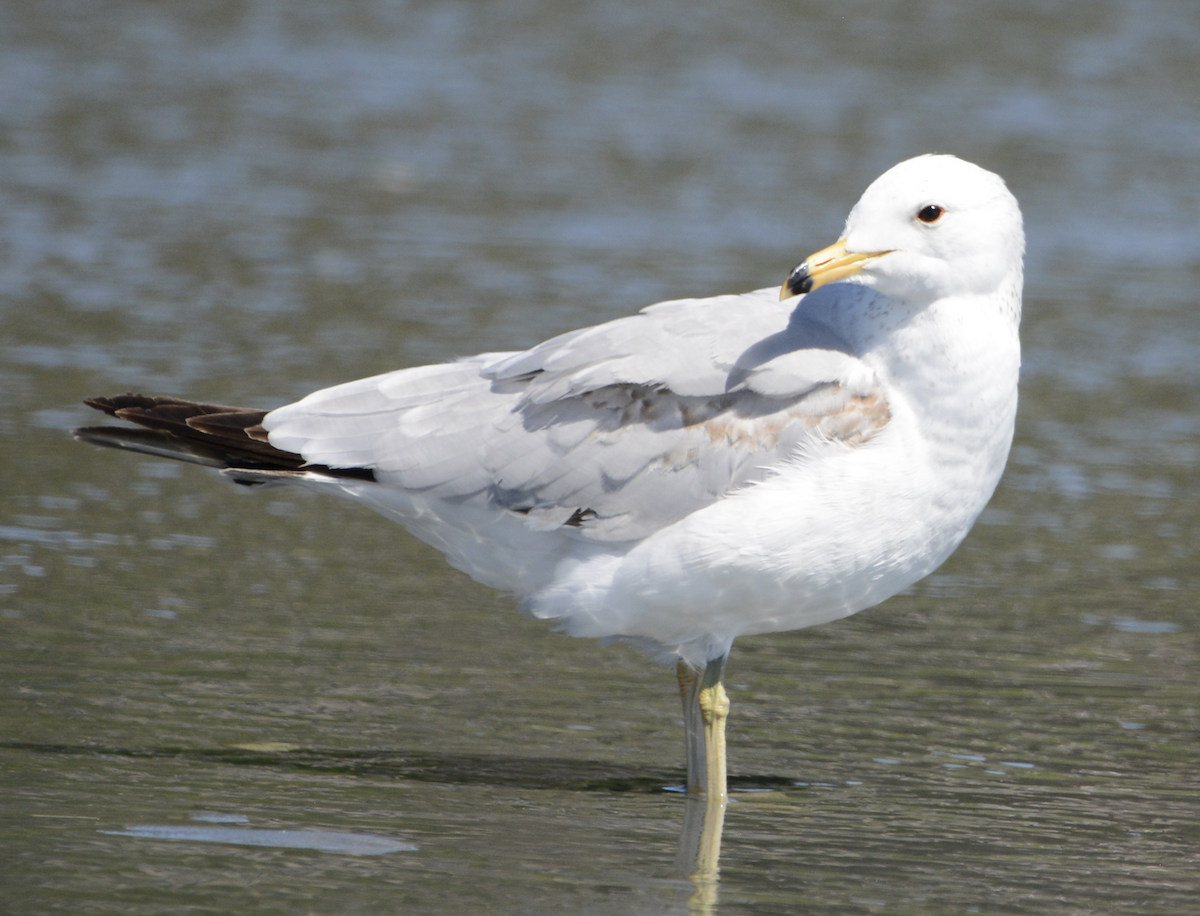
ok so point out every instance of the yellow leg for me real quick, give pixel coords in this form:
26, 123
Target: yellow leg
714, 707
705, 709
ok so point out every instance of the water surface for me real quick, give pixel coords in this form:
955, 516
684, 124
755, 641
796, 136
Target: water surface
241, 202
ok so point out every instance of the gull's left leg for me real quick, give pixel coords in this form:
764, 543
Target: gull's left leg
690, 683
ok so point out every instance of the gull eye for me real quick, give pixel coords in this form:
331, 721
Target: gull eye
930, 214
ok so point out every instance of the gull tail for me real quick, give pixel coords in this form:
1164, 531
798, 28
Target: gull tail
230, 439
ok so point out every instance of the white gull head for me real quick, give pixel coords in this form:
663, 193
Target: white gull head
950, 229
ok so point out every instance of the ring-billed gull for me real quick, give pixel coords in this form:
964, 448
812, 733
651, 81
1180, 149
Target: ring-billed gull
705, 469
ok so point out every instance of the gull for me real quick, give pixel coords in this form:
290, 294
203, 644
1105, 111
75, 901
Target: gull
702, 470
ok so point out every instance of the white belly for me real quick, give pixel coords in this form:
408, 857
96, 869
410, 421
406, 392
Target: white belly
838, 531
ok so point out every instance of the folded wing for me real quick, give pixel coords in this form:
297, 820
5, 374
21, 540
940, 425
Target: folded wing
610, 433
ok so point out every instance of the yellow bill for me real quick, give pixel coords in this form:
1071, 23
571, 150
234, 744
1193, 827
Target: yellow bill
826, 266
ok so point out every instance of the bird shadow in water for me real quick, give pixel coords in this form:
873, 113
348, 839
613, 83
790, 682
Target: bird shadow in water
700, 838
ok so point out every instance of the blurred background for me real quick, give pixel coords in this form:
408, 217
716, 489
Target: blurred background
243, 201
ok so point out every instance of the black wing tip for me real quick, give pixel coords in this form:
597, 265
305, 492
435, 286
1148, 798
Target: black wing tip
110, 405
227, 438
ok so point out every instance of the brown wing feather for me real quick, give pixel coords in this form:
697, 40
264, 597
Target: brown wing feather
214, 435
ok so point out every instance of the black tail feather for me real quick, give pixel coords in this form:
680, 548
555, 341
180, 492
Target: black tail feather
212, 435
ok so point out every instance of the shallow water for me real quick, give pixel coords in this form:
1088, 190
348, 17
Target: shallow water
242, 202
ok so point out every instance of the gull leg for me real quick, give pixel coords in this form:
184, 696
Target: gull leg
690, 683
705, 709
714, 708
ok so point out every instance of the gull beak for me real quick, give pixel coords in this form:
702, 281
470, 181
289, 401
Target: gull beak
826, 266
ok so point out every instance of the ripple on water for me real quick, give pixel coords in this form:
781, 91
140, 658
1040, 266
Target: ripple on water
334, 841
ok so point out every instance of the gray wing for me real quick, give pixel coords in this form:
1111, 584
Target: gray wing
612, 432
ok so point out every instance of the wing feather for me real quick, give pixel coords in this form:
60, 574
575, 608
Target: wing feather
611, 432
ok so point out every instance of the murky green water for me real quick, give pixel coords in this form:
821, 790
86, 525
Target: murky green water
243, 201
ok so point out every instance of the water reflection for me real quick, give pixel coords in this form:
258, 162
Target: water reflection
700, 851
333, 841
